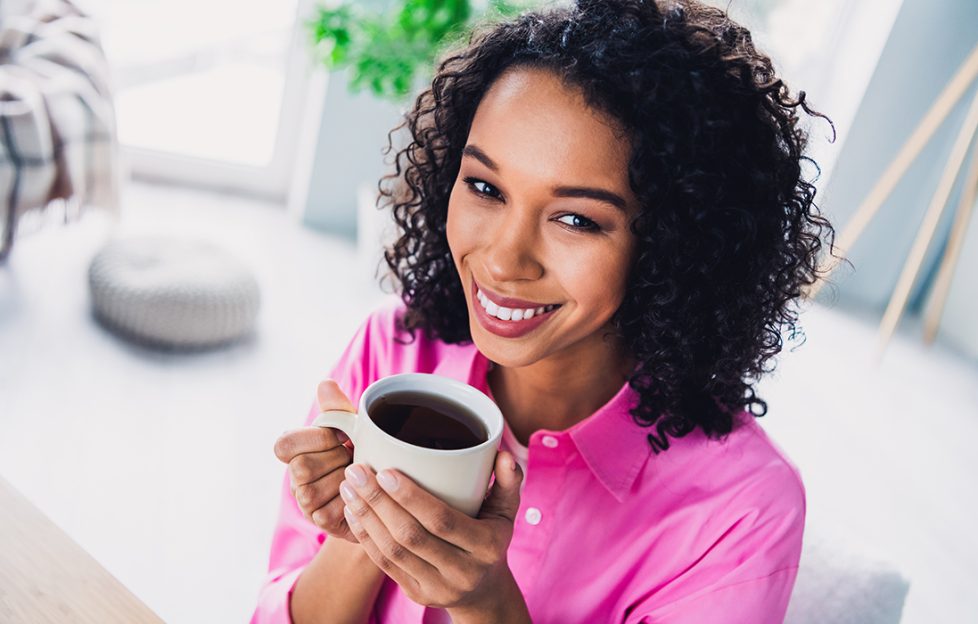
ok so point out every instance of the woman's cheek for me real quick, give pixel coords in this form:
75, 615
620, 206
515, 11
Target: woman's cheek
451, 224
596, 270
464, 228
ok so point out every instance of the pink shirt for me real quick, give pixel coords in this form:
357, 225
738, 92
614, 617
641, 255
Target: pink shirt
707, 531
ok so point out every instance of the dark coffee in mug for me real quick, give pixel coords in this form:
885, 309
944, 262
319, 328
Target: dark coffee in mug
428, 420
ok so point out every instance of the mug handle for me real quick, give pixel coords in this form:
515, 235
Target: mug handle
338, 419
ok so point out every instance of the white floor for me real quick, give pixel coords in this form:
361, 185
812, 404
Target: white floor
161, 465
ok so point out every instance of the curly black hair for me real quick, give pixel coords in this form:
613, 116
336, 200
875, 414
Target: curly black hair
728, 234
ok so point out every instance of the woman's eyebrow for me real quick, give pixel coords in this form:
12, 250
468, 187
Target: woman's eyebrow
600, 195
586, 192
478, 154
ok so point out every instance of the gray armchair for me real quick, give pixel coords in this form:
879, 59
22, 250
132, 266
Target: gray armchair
837, 585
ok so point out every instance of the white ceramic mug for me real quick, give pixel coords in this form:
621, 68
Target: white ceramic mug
460, 477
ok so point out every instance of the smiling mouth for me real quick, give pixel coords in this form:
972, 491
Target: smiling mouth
511, 314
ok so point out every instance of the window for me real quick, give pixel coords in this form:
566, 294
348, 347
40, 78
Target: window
206, 90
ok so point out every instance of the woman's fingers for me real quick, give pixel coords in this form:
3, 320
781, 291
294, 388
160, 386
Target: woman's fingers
322, 505
312, 496
398, 560
315, 439
441, 520
315, 458
338, 528
315, 479
309, 467
388, 564
305, 440
390, 516
397, 533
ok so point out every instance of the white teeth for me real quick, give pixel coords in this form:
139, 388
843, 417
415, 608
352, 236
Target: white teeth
507, 314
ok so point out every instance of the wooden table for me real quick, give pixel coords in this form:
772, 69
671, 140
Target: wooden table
47, 577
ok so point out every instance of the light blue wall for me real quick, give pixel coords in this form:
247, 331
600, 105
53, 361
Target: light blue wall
348, 153
929, 41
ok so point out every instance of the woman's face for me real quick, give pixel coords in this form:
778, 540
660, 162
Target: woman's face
540, 212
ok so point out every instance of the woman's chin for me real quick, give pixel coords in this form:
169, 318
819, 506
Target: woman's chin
509, 356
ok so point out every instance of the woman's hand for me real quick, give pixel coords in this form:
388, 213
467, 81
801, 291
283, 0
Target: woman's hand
439, 556
316, 457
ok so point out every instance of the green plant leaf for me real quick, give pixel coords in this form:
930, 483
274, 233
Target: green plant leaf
388, 50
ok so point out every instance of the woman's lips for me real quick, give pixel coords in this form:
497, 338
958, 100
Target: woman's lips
506, 329
509, 302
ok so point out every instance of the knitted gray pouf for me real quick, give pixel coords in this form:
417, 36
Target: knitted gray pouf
171, 292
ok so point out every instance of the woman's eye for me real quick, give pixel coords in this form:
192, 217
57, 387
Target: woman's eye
578, 222
484, 190
478, 187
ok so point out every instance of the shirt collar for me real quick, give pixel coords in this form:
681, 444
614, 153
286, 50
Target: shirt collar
464, 363
613, 446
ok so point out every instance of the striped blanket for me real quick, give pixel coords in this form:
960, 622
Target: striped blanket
57, 118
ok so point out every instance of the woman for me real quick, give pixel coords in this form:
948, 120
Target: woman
603, 227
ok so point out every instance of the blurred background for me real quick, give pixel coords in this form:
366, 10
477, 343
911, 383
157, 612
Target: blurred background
187, 199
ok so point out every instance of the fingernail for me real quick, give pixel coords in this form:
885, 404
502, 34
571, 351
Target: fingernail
350, 518
387, 480
347, 492
342, 437
356, 474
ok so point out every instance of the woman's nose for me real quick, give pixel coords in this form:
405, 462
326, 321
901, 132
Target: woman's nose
513, 249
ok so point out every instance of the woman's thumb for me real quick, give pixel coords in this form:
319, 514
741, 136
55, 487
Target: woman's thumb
331, 397
504, 498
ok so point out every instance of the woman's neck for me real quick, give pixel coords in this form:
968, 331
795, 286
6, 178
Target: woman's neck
558, 392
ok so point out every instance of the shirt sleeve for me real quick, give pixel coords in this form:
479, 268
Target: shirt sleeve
747, 574
296, 540
757, 601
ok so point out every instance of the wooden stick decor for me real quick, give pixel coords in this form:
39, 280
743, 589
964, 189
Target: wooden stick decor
938, 296
932, 217
943, 105
935, 116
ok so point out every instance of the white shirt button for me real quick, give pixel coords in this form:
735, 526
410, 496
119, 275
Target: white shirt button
549, 441
533, 515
